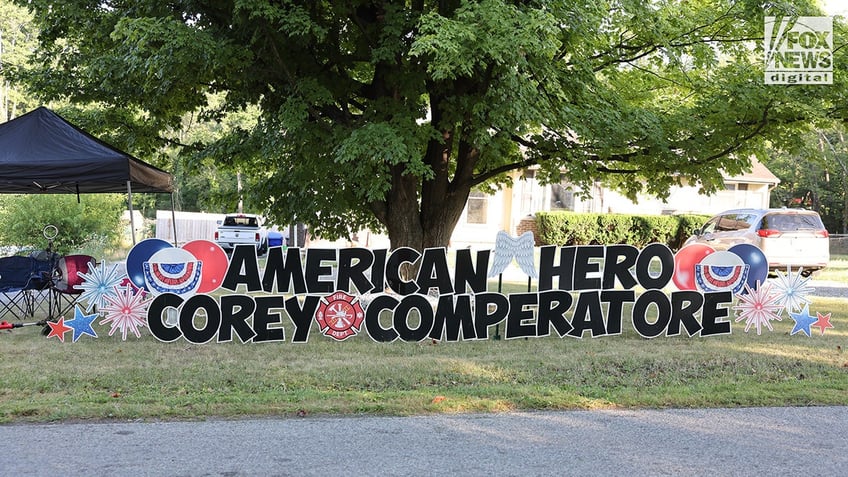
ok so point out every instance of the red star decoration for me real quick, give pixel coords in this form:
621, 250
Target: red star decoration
58, 329
823, 322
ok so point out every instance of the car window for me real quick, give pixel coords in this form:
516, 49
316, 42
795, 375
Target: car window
747, 221
240, 221
733, 222
710, 226
792, 222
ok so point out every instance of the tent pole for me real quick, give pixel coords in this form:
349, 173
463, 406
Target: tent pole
132, 214
174, 219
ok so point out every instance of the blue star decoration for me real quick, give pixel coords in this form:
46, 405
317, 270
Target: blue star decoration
803, 321
81, 324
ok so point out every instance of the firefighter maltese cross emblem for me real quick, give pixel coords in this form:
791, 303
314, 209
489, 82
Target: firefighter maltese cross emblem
339, 315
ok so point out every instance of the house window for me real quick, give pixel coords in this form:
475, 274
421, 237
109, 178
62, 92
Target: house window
477, 208
562, 197
527, 190
741, 186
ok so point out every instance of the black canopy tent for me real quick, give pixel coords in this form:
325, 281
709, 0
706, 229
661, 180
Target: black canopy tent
42, 153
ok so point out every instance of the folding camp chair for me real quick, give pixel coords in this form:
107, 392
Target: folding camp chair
40, 293
23, 281
65, 293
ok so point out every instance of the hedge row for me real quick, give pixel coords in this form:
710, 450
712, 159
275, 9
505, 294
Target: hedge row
571, 228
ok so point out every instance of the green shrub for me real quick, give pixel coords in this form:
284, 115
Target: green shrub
91, 219
571, 228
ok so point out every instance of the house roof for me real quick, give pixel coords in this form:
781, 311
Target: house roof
759, 174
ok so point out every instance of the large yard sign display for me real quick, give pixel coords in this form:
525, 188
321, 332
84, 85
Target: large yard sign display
198, 294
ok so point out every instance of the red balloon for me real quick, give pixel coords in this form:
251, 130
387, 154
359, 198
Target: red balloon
684, 264
214, 261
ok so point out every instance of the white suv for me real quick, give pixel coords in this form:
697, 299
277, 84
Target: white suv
793, 238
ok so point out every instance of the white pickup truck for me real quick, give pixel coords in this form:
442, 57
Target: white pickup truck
238, 229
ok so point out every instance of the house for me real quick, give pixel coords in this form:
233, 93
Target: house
485, 215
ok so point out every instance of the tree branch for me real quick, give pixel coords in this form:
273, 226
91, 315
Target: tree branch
625, 158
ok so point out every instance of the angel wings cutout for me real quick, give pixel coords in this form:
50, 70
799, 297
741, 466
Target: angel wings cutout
520, 248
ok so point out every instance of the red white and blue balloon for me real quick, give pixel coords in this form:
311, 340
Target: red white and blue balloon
701, 267
172, 270
721, 271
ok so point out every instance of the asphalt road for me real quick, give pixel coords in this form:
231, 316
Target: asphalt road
828, 289
808, 441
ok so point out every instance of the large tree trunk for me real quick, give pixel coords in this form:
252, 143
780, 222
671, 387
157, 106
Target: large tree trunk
402, 218
423, 214
426, 221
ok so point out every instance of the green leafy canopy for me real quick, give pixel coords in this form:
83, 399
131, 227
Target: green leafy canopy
385, 114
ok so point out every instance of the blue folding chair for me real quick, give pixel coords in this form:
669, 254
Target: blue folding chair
22, 282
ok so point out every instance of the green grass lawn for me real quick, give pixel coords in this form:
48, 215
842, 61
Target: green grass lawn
107, 378
837, 270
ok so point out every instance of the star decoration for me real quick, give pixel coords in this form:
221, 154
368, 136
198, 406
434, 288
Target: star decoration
58, 329
126, 310
758, 307
822, 322
792, 289
98, 283
803, 321
81, 324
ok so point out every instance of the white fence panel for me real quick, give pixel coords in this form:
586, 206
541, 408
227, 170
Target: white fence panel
190, 226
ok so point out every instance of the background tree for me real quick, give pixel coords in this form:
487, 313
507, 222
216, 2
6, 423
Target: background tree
206, 184
833, 145
814, 175
90, 225
17, 41
386, 114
